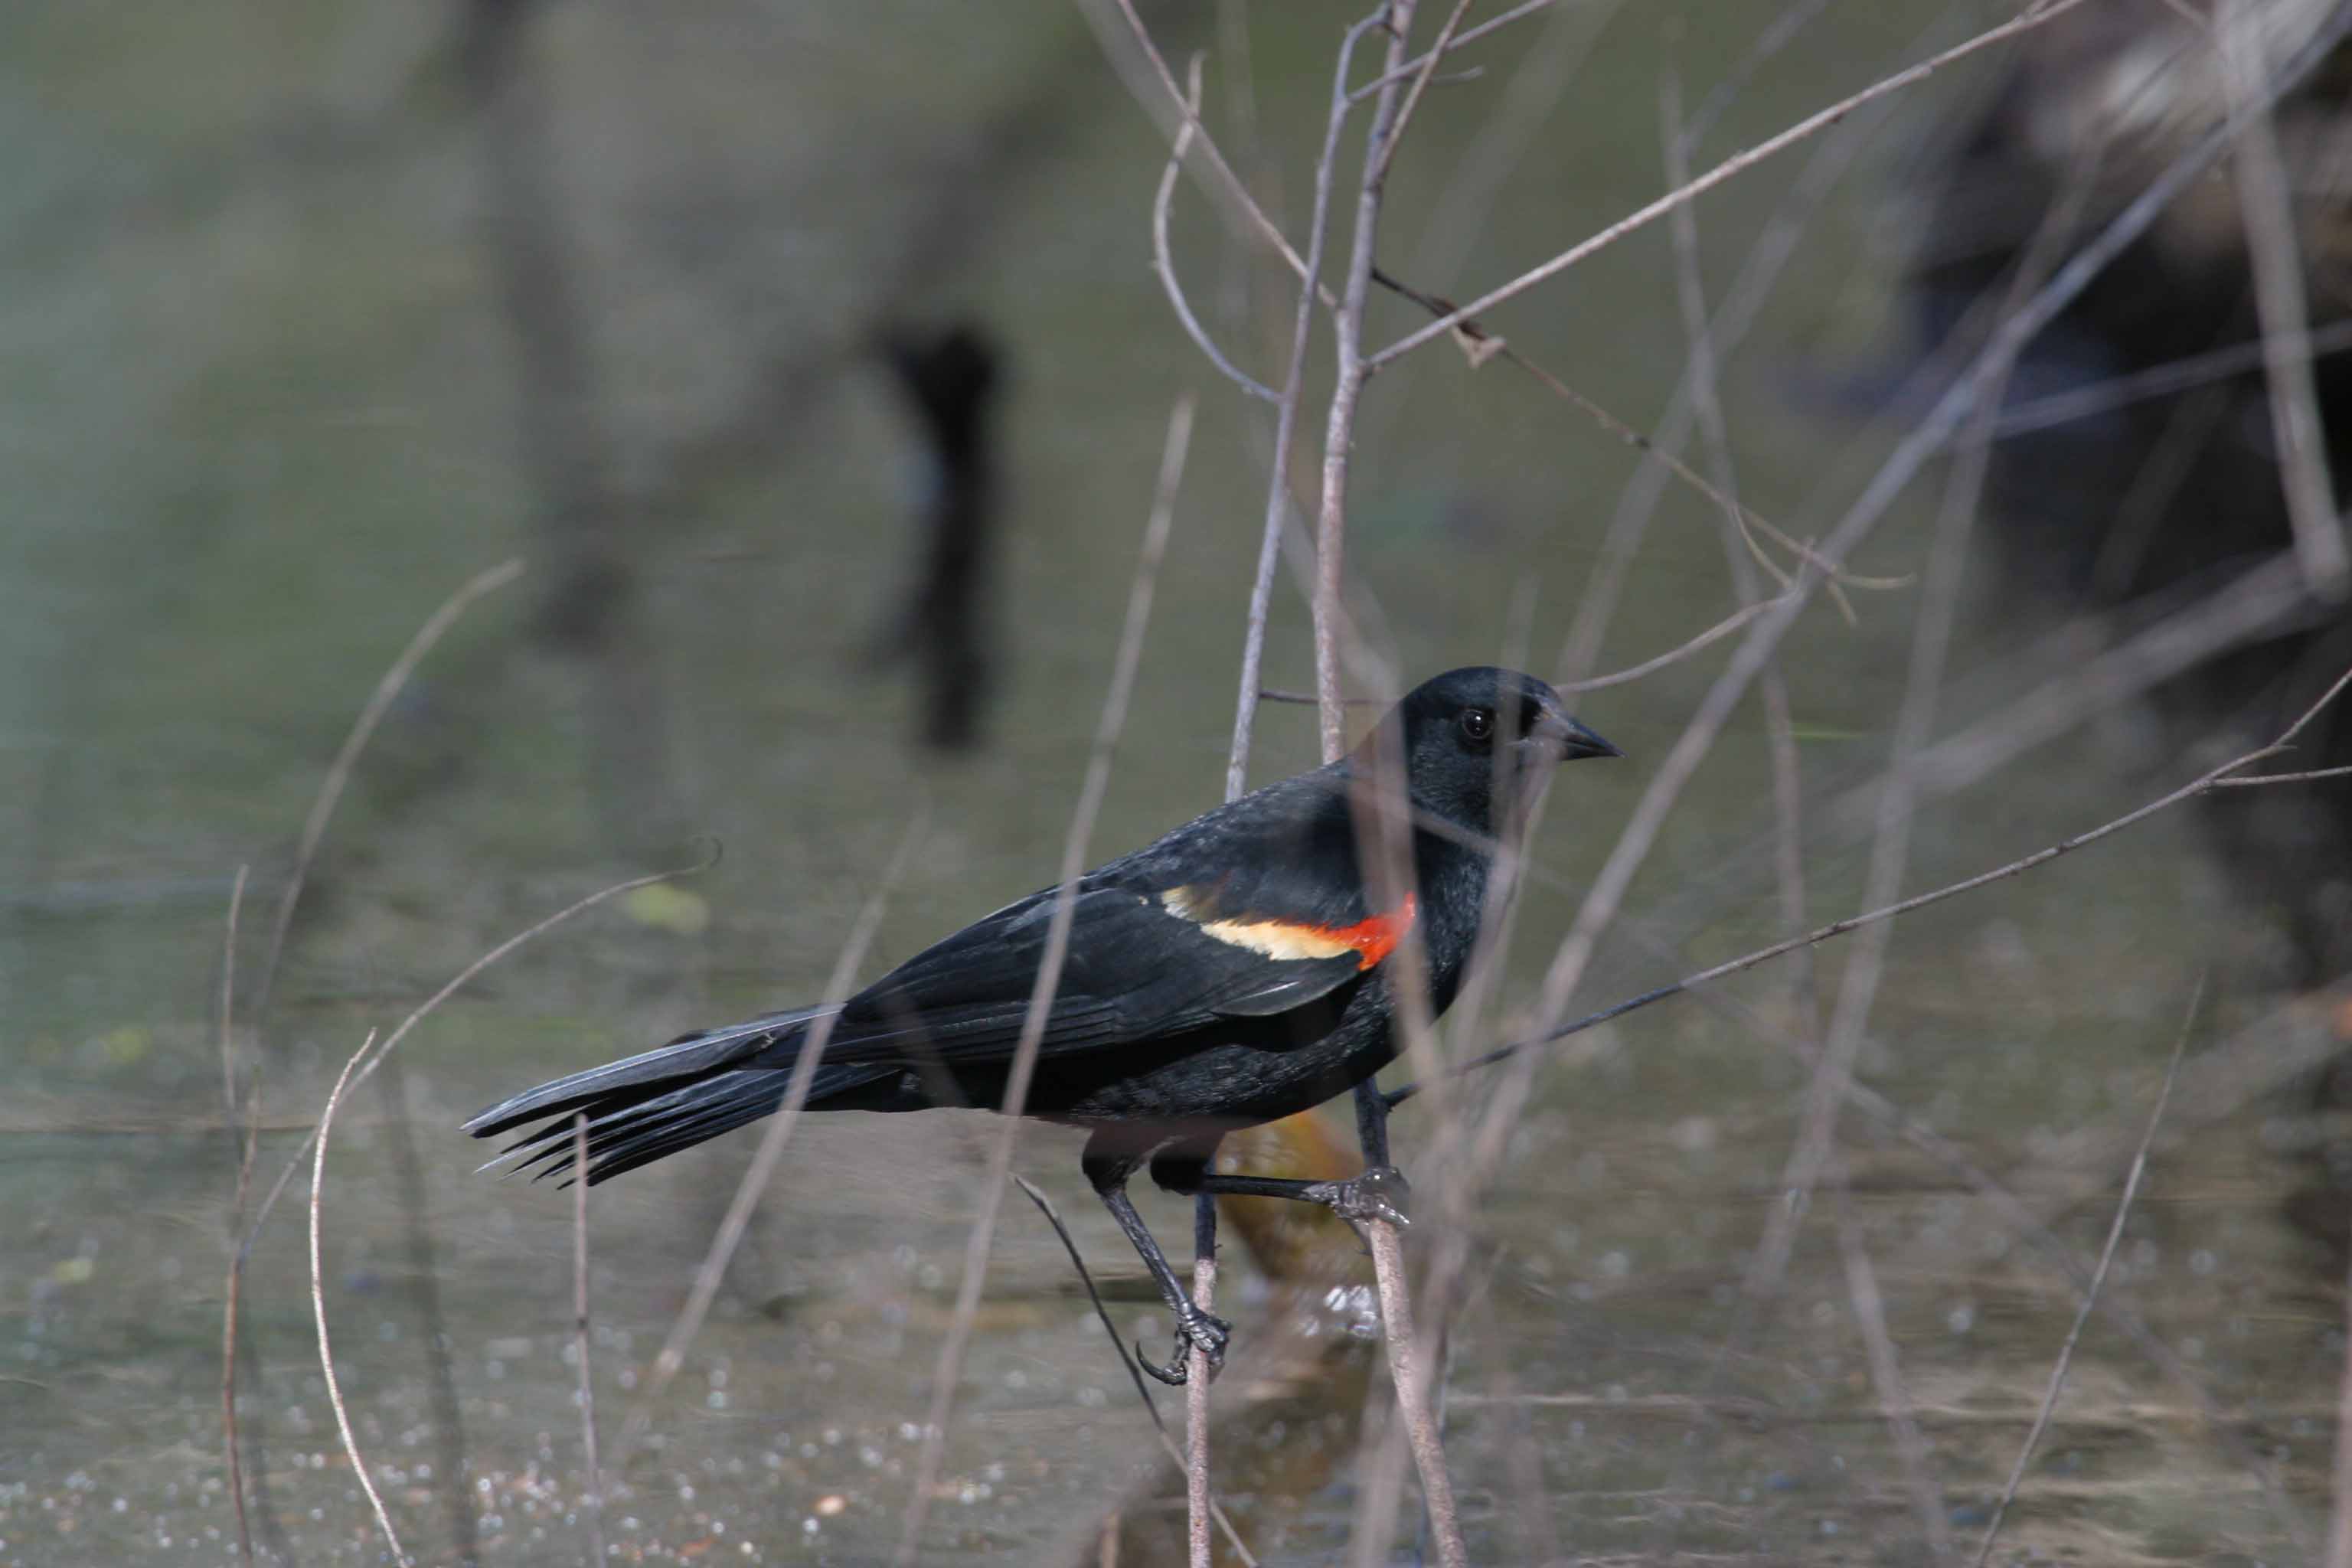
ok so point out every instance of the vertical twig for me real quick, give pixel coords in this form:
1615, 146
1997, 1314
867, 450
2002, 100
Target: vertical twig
2340, 1540
319, 1307
1197, 1500
1286, 424
1049, 975
1407, 1364
237, 1120
596, 1499
1277, 500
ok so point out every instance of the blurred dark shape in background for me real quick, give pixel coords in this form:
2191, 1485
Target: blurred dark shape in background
2134, 469
950, 378
2135, 497
586, 585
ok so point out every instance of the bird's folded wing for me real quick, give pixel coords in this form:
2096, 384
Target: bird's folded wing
1143, 963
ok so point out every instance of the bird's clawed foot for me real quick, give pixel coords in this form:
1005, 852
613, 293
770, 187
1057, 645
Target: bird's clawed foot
1379, 1194
1195, 1331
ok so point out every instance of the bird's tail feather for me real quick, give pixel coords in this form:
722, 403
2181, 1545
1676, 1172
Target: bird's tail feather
647, 1106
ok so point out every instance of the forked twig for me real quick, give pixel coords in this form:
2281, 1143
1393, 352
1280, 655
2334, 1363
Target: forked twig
2090, 1295
1822, 119
1480, 345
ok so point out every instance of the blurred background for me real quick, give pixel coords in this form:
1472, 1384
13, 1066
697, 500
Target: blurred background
811, 360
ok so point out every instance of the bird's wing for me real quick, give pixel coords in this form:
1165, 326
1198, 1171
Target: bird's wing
1243, 914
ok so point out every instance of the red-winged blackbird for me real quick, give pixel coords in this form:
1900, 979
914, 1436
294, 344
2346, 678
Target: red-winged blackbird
1228, 975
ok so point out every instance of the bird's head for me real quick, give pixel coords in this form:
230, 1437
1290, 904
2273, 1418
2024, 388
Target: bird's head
1468, 734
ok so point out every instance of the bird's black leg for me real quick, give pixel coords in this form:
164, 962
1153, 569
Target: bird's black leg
1372, 1110
1379, 1194
1108, 1163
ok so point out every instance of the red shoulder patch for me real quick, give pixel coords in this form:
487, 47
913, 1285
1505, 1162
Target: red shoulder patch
1372, 939
1377, 938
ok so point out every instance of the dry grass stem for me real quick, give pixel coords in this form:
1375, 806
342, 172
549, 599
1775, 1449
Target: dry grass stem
1049, 974
456, 983
1886, 1379
2090, 1299
2258, 602
712, 1270
339, 772
318, 1308
1820, 121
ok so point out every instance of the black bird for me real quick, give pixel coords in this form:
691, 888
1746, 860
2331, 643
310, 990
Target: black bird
1232, 972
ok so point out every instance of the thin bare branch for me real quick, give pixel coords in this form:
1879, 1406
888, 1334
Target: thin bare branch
1420, 63
1480, 344
1227, 184
319, 1310
1386, 152
2094, 398
1163, 262
2283, 778
1049, 975
2033, 17
2091, 1296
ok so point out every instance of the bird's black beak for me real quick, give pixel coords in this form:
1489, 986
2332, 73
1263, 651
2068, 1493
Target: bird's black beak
1564, 739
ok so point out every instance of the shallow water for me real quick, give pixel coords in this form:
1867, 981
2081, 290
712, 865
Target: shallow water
261, 417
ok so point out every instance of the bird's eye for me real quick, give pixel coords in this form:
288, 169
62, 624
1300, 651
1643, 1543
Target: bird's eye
1477, 725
